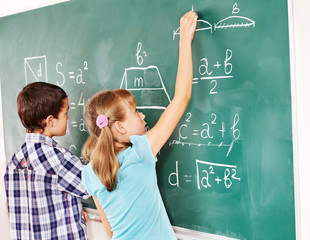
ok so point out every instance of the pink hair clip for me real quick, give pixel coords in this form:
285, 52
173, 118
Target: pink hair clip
102, 121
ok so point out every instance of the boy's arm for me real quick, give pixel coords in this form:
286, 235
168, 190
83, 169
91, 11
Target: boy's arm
160, 133
69, 176
103, 217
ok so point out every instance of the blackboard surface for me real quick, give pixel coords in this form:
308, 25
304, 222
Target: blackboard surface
228, 167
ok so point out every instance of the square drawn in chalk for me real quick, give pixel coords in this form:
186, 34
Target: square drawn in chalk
35, 69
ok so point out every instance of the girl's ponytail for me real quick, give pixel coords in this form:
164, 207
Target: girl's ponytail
105, 163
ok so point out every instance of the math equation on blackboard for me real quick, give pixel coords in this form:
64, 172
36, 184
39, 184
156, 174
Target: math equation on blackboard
208, 175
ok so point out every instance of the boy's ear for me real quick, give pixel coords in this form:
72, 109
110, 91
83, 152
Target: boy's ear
120, 128
49, 121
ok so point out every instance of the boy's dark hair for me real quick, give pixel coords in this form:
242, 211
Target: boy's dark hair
37, 101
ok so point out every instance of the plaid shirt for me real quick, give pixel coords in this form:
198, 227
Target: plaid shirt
43, 188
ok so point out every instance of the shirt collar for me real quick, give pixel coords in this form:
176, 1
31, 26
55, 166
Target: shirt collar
40, 138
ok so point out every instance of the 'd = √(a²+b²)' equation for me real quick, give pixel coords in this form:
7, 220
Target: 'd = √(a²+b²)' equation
208, 175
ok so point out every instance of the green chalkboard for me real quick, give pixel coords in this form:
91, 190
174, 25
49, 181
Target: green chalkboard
228, 167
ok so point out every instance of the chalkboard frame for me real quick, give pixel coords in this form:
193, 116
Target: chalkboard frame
294, 121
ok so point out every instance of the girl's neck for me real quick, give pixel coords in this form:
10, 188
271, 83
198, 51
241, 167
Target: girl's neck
120, 146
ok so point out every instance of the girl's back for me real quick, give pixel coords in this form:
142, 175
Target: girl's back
135, 207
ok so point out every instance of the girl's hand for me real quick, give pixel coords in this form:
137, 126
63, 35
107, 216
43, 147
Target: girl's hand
188, 26
85, 215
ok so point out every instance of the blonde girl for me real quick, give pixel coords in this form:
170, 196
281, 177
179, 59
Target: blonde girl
121, 174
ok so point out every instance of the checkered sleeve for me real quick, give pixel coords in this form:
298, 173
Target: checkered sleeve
69, 176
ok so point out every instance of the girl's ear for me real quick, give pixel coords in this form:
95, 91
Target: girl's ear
120, 128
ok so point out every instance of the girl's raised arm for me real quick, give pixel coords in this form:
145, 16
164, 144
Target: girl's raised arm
160, 133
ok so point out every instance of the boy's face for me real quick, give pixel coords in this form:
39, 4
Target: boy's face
61, 122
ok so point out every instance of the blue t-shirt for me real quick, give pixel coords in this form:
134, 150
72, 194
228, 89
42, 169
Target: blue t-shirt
135, 209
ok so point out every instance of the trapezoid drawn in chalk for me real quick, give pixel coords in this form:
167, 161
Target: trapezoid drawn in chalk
146, 85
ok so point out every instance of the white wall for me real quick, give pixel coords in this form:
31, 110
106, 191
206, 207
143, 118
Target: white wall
301, 101
301, 18
4, 223
9, 7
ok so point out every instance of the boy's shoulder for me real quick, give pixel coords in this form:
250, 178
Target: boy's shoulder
42, 152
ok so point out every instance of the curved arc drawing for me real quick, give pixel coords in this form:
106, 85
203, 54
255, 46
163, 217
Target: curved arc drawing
221, 24
208, 26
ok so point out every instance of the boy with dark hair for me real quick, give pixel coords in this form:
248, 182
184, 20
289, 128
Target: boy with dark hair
43, 180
